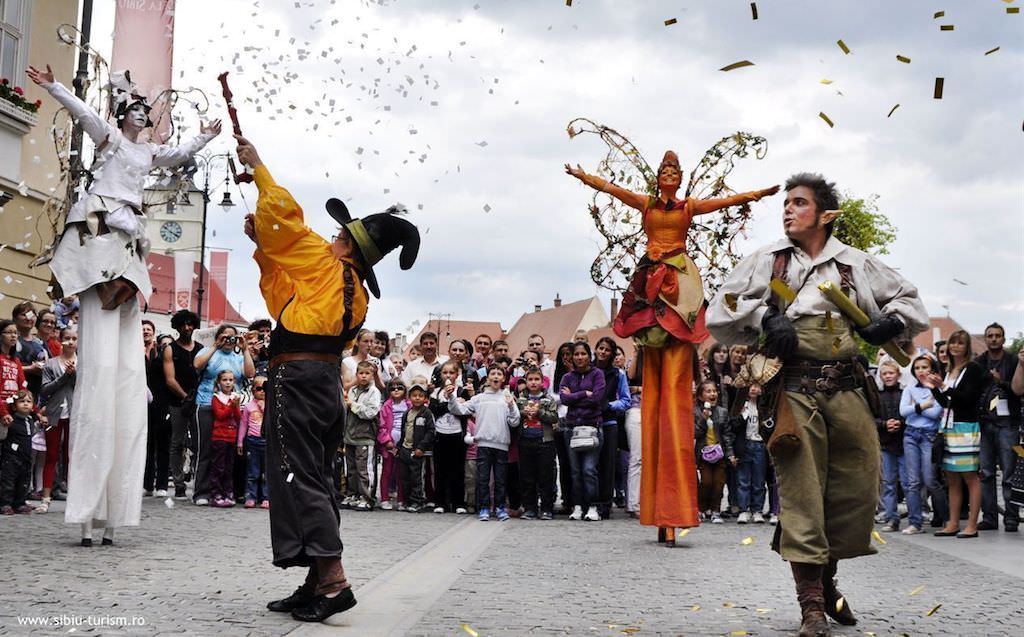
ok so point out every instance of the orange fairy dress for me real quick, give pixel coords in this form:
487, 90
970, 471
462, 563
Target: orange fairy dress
663, 310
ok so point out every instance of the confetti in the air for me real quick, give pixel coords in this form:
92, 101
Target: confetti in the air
932, 611
826, 81
947, 27
938, 14
737, 65
938, 87
568, 3
892, 110
1013, 9
827, 120
753, 9
670, 22
466, 627
842, 45
991, 51
903, 59
917, 590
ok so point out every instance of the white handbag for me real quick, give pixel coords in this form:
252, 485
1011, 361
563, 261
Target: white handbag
584, 437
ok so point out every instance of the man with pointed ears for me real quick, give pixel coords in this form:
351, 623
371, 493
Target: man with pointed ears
828, 483
314, 288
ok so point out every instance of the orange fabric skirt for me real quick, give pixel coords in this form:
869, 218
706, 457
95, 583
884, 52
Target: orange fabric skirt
668, 478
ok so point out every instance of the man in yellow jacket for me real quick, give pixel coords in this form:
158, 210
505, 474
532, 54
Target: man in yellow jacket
314, 288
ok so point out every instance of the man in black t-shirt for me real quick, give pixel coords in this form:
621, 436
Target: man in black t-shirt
180, 374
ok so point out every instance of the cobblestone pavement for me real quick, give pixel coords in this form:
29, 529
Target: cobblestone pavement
201, 571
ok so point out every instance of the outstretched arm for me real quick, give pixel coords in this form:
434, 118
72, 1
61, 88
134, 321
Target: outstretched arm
170, 156
704, 206
94, 126
631, 199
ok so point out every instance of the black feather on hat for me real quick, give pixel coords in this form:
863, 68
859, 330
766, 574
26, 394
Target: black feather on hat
377, 235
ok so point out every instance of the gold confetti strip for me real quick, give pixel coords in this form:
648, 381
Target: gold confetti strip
728, 604
825, 81
991, 51
764, 610
670, 22
1013, 9
472, 633
893, 110
629, 630
878, 537
680, 535
695, 608
842, 45
747, 541
568, 3
905, 60
739, 633
753, 9
917, 590
827, 120
947, 27
840, 603
932, 611
938, 14
737, 65
784, 291
938, 87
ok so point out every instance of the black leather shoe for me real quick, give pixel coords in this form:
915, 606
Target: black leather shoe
87, 542
107, 542
1010, 528
323, 607
988, 526
301, 597
946, 533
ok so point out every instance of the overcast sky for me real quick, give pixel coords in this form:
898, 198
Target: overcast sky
458, 109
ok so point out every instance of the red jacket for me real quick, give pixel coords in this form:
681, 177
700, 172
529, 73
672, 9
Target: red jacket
226, 417
12, 379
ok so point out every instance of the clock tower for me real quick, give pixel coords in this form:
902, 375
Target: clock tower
174, 224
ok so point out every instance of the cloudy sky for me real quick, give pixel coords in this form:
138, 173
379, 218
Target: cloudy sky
458, 109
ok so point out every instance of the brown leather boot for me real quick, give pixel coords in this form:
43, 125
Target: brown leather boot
812, 600
836, 606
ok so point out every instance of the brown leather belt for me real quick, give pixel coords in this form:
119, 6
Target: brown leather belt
828, 377
304, 356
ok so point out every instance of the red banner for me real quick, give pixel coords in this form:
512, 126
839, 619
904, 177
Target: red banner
218, 286
144, 45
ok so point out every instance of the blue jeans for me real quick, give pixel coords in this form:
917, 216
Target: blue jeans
917, 455
997, 440
489, 459
893, 469
583, 463
750, 476
256, 454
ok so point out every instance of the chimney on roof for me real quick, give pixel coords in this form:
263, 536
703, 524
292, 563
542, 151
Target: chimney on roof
536, 308
615, 308
558, 300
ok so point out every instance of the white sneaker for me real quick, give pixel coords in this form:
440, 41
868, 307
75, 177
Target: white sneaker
717, 519
592, 515
438, 509
577, 513
461, 511
202, 502
743, 518
386, 505
160, 493
911, 530
758, 518
773, 520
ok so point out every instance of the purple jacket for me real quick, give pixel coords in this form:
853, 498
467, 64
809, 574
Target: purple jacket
583, 410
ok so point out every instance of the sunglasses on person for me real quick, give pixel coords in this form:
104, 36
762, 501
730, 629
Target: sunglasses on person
397, 388
257, 388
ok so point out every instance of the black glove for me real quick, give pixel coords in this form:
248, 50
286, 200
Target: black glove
779, 334
881, 330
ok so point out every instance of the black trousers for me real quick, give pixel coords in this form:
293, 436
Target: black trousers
410, 472
537, 474
15, 469
303, 426
564, 470
606, 467
158, 448
450, 471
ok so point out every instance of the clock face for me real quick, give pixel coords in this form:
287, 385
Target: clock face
170, 231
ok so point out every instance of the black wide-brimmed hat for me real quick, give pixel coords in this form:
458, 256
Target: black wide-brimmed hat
376, 235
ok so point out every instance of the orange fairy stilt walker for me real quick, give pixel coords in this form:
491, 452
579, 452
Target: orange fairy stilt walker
663, 311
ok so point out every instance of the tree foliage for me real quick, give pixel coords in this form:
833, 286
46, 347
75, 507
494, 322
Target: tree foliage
863, 226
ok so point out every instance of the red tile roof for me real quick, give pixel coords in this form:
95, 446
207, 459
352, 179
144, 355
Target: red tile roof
556, 324
448, 331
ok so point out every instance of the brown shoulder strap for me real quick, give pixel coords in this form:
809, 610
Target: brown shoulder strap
780, 270
845, 277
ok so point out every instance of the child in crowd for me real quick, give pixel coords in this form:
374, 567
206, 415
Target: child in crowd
713, 447
388, 434
16, 465
539, 413
361, 428
921, 414
12, 374
56, 396
417, 438
753, 456
449, 444
226, 414
496, 414
252, 443
890, 436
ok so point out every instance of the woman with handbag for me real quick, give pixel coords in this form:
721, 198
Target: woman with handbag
713, 437
582, 391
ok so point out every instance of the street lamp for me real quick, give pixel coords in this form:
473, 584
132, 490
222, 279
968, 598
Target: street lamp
206, 162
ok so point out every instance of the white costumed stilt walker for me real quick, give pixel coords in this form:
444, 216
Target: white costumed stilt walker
101, 257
